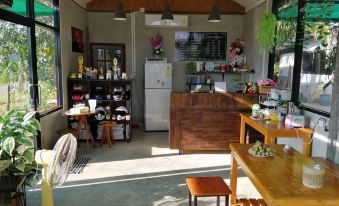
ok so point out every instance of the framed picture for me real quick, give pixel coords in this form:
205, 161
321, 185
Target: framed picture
77, 40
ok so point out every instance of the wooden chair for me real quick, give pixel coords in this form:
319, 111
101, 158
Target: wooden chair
107, 134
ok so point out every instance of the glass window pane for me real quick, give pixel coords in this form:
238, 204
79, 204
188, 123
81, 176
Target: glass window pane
47, 75
14, 67
43, 10
101, 54
319, 57
19, 7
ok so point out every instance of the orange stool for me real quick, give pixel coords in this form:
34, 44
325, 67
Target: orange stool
207, 187
107, 133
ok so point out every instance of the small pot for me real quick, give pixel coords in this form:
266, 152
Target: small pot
325, 100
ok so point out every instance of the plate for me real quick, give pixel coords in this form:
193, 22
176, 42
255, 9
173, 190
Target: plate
260, 156
258, 119
210, 66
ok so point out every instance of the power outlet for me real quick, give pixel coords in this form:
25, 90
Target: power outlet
322, 122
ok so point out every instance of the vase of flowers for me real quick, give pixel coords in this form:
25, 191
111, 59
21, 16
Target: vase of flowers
265, 85
236, 52
156, 43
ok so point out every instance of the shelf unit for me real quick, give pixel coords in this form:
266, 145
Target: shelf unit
88, 91
223, 73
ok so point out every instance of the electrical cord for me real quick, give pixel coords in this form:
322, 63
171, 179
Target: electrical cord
315, 126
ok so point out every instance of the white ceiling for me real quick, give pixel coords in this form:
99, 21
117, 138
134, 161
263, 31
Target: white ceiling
248, 4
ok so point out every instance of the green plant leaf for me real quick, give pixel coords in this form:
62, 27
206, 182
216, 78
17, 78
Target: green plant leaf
28, 155
9, 145
29, 116
20, 166
36, 124
30, 128
25, 141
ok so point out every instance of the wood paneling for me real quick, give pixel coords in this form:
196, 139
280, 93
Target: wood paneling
206, 121
178, 6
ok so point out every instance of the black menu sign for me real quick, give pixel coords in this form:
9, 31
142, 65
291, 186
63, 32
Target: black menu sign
200, 46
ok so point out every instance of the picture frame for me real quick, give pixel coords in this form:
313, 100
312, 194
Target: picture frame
77, 40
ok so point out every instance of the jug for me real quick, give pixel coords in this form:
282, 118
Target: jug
92, 104
290, 108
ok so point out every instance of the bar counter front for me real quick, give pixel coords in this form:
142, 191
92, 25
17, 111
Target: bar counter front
207, 121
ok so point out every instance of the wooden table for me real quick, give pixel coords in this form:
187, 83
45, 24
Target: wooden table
82, 120
274, 129
279, 179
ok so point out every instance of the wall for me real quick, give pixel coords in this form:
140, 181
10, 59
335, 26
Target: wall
255, 58
103, 29
70, 15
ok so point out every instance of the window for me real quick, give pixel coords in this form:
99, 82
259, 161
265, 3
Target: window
30, 57
14, 66
313, 53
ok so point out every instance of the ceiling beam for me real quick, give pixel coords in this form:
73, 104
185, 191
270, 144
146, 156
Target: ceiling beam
157, 6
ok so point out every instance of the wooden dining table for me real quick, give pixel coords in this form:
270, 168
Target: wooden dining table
274, 129
279, 178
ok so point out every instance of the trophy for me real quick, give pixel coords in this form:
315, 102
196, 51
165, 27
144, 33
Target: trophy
116, 69
81, 66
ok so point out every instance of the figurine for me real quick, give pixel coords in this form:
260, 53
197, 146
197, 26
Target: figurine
81, 66
101, 74
116, 69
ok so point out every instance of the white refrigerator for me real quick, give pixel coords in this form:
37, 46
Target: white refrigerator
158, 88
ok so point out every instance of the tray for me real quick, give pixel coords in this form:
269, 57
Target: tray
259, 119
260, 156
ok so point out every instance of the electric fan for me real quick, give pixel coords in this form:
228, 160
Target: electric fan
57, 164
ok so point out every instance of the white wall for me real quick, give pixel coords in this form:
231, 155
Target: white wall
255, 58
70, 15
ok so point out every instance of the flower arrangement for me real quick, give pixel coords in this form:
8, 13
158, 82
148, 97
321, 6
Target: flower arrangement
267, 82
235, 52
156, 43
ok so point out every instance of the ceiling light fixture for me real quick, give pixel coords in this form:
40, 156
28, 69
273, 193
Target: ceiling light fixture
119, 12
167, 15
214, 16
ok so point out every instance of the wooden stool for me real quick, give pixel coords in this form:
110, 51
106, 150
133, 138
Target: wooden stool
107, 133
207, 187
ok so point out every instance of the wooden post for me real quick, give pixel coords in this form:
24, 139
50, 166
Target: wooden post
332, 150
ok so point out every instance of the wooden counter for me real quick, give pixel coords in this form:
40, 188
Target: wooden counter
204, 121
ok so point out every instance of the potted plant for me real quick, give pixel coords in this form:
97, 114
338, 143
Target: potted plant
17, 129
267, 31
156, 43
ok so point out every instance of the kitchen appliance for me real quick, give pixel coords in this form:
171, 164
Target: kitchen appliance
158, 88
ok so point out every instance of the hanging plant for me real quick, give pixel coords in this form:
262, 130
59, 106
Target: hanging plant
266, 33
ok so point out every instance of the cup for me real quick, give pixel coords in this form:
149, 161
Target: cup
92, 104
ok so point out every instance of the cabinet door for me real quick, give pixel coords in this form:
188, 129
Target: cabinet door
102, 56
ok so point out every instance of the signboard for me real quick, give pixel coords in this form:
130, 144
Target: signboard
200, 46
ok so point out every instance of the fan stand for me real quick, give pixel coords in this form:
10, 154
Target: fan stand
43, 157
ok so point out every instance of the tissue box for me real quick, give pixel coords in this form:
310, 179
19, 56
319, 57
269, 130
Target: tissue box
79, 110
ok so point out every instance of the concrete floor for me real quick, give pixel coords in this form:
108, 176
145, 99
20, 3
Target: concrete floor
144, 172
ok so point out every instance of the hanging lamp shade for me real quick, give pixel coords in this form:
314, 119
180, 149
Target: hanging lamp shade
119, 12
167, 15
215, 14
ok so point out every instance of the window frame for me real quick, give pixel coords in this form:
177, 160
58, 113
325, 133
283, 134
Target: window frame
30, 22
298, 52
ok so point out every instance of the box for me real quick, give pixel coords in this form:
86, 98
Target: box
264, 89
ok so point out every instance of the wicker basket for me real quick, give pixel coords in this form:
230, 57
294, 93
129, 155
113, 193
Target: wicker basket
264, 89
313, 176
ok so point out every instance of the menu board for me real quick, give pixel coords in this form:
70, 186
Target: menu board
200, 46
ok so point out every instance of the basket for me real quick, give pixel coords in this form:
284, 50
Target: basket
313, 176
264, 89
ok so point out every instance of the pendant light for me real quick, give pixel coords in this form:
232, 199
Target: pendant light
167, 15
214, 16
119, 12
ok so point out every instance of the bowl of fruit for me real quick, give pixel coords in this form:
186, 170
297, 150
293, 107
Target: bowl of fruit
261, 150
